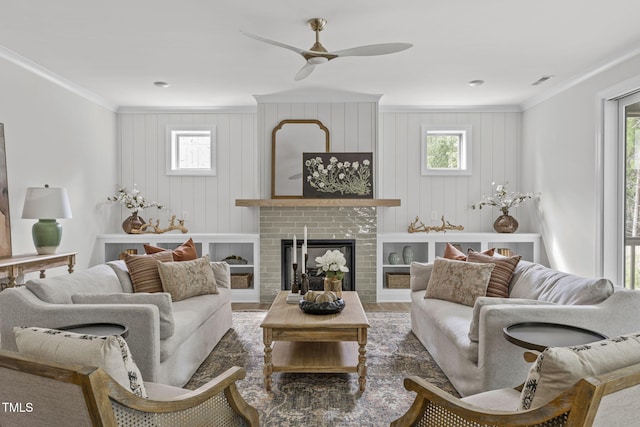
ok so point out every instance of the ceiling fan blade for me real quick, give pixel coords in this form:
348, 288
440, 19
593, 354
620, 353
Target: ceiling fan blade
304, 71
373, 49
273, 42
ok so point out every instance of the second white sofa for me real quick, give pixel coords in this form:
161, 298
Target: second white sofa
468, 343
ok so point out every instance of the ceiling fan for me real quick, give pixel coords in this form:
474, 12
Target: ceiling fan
317, 54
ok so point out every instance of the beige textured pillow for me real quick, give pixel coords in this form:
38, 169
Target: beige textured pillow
458, 281
109, 353
143, 270
501, 274
185, 279
559, 368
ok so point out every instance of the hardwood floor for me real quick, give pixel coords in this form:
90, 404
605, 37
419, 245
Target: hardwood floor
384, 306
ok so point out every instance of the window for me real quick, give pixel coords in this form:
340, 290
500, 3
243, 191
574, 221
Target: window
446, 150
191, 150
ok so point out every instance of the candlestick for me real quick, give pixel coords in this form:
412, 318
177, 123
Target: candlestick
294, 285
295, 250
304, 288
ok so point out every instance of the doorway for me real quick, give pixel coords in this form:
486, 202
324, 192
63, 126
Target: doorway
629, 122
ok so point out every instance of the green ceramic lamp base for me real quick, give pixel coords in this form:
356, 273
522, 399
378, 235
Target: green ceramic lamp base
47, 234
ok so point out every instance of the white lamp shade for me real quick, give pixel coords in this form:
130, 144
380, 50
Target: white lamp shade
46, 203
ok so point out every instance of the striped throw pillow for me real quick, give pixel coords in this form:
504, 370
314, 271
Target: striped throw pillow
501, 274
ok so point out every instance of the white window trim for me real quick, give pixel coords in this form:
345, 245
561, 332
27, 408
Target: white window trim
465, 150
186, 128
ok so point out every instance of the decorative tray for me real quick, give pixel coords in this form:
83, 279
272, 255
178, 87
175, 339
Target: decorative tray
332, 307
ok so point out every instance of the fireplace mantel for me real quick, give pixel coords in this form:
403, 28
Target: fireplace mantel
291, 203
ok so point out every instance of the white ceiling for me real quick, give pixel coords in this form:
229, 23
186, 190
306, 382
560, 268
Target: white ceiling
116, 49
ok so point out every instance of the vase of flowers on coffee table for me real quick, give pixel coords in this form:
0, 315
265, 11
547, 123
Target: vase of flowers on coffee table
333, 265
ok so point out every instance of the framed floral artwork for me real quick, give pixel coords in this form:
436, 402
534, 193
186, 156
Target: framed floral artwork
337, 175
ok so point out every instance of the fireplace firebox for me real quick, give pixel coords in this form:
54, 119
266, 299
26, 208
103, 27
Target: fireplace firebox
316, 248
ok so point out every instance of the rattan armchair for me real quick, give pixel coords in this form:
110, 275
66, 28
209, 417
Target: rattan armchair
36, 392
606, 400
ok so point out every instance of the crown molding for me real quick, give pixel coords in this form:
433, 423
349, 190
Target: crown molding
39, 70
178, 110
450, 109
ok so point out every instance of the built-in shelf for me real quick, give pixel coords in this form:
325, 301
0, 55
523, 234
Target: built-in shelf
290, 203
425, 247
217, 246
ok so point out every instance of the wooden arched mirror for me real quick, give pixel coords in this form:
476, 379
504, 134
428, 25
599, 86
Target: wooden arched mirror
289, 140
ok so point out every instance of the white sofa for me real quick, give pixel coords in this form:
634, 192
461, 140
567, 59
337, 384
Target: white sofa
468, 342
168, 340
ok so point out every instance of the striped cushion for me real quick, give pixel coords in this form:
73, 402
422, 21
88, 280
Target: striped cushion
144, 271
501, 274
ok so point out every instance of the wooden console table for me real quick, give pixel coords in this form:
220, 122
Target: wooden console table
15, 266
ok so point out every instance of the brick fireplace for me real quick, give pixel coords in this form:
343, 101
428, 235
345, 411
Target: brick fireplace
325, 222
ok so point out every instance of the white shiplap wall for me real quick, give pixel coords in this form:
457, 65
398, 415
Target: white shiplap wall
244, 168
208, 201
495, 144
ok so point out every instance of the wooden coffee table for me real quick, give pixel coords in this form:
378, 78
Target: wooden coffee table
298, 342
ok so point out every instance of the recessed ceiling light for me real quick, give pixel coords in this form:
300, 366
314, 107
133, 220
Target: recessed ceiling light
161, 84
476, 82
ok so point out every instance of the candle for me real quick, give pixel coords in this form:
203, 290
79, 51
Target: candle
305, 236
302, 261
295, 250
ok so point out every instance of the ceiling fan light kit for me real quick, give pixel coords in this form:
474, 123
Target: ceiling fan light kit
318, 54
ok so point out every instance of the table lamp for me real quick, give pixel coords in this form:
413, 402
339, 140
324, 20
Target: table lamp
46, 204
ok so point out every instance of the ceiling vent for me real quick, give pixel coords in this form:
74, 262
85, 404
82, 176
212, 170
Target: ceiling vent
541, 80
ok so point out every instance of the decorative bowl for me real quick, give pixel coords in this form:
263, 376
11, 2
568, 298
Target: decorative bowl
332, 307
235, 259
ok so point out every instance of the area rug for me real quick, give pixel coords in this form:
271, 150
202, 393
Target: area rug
310, 400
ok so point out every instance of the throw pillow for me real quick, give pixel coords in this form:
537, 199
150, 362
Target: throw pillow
420, 273
451, 252
458, 281
120, 268
559, 368
58, 289
187, 279
474, 334
222, 273
159, 299
110, 353
144, 270
184, 252
542, 283
501, 274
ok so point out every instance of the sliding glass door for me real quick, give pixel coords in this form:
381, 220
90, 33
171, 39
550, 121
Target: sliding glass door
629, 114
